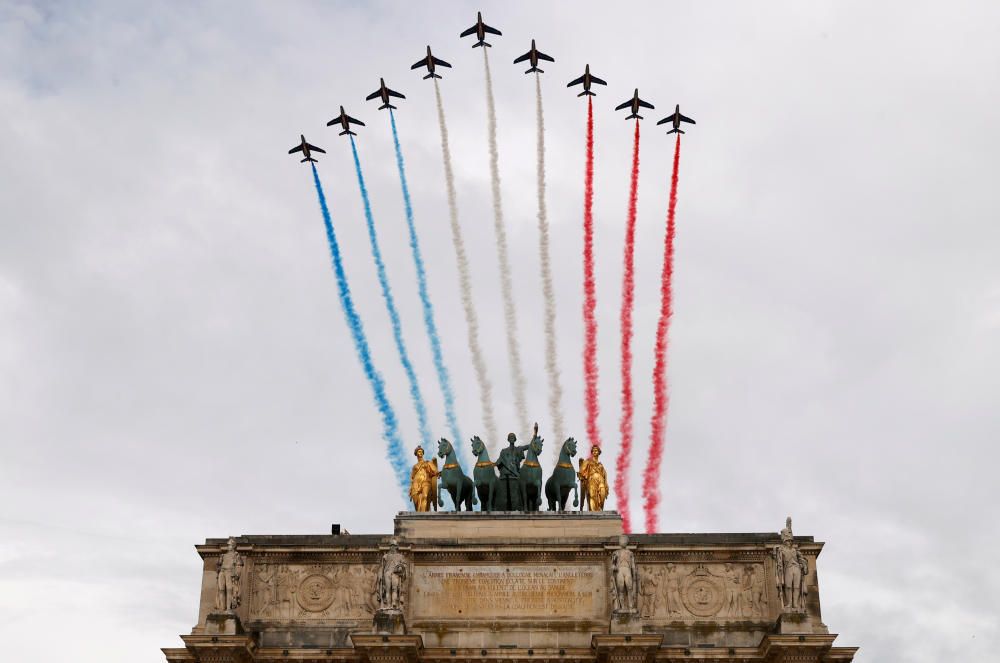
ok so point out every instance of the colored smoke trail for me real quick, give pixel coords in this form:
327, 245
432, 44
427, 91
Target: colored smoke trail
465, 282
624, 460
390, 427
506, 286
390, 305
548, 292
590, 373
444, 380
661, 398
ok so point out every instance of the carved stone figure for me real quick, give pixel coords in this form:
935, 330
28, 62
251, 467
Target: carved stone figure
673, 582
790, 571
649, 591
731, 602
391, 579
625, 578
751, 592
593, 481
228, 571
563, 479
423, 482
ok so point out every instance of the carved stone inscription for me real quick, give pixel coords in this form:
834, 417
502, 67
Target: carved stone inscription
702, 591
320, 591
516, 592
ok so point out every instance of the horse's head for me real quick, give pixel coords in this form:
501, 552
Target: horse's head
477, 445
536, 445
444, 448
569, 446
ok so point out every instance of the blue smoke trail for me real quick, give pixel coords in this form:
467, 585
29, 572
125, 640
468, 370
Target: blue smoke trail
390, 427
444, 380
390, 305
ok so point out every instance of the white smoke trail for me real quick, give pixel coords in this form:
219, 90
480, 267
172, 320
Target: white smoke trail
548, 292
465, 286
506, 286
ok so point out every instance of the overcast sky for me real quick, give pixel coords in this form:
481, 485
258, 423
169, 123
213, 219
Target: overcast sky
174, 364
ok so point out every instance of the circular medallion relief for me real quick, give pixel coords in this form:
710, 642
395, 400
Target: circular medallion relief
315, 593
702, 594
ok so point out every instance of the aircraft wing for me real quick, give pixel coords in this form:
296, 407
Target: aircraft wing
523, 57
543, 56
666, 120
419, 63
595, 79
624, 104
393, 93
297, 148
577, 81
354, 121
686, 119
492, 31
470, 31
440, 62
313, 148
645, 104
373, 95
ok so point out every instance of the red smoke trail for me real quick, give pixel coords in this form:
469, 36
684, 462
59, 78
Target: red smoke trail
661, 399
628, 300
589, 296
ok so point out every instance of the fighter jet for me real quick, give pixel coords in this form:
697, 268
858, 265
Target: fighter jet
634, 103
384, 93
430, 62
676, 120
533, 56
306, 149
345, 121
586, 79
480, 29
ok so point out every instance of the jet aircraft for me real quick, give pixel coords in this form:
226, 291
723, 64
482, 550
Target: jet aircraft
533, 56
586, 79
676, 120
384, 93
345, 121
430, 62
306, 149
480, 29
634, 103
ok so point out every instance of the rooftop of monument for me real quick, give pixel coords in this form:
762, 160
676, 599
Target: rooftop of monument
465, 527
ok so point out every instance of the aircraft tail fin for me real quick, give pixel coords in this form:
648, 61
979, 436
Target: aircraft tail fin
309, 159
675, 131
540, 71
482, 43
634, 115
588, 93
431, 76
387, 106
347, 132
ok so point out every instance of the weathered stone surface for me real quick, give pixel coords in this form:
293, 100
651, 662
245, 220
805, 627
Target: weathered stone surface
501, 586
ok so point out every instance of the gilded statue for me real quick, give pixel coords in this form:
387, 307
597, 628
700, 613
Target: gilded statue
228, 570
790, 570
593, 481
423, 482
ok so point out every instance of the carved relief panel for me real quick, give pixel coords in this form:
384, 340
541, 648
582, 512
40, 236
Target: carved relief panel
732, 590
318, 591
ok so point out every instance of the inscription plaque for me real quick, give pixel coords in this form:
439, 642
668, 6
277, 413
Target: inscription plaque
514, 592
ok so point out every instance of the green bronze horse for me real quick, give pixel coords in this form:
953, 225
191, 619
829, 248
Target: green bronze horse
453, 479
531, 475
563, 479
484, 474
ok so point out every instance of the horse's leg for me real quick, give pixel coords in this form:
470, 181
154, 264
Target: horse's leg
576, 495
